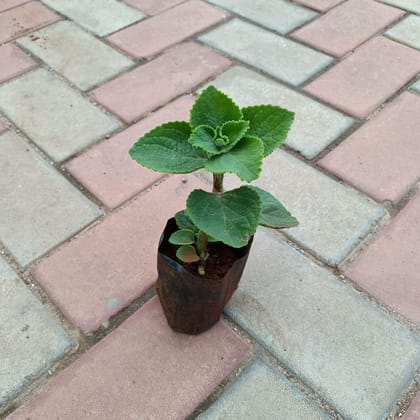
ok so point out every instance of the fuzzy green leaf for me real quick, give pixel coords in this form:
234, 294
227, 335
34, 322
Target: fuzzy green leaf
184, 222
244, 160
182, 237
231, 217
203, 137
273, 213
187, 254
166, 149
213, 108
269, 123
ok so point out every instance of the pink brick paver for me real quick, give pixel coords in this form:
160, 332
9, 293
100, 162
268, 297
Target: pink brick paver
364, 80
3, 125
160, 32
13, 62
383, 156
9, 4
390, 267
20, 20
95, 276
143, 370
320, 5
108, 171
175, 72
347, 25
413, 412
153, 7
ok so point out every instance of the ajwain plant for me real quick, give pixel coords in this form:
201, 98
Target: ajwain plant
221, 138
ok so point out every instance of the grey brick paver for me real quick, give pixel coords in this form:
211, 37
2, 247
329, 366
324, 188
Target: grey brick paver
38, 207
315, 125
261, 392
278, 15
280, 57
407, 31
31, 341
338, 342
102, 17
410, 5
416, 86
53, 115
76, 54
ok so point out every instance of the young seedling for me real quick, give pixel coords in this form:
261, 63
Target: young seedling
221, 138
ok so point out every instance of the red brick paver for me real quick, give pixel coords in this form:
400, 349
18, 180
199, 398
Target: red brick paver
13, 62
153, 7
95, 276
364, 80
9, 4
413, 412
177, 71
108, 171
160, 32
347, 25
383, 156
20, 20
143, 370
390, 267
320, 5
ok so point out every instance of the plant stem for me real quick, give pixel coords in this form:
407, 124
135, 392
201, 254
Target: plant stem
202, 242
218, 183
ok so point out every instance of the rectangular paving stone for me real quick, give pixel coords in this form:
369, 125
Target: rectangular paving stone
9, 4
410, 5
116, 260
20, 20
363, 81
407, 31
31, 340
98, 16
13, 62
330, 336
315, 125
389, 268
153, 35
278, 15
151, 85
413, 412
321, 5
76, 54
262, 392
38, 207
383, 156
333, 218
107, 169
55, 116
141, 370
346, 26
153, 7
292, 62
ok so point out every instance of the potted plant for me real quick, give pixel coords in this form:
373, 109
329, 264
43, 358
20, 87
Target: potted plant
204, 248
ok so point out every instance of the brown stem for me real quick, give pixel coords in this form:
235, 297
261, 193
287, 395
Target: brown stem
218, 183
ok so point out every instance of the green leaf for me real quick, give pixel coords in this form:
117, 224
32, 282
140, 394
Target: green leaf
182, 237
231, 217
244, 160
213, 108
234, 131
269, 123
166, 149
187, 254
273, 214
184, 222
203, 137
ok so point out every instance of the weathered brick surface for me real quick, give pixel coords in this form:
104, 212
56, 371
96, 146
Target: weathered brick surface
320, 5
31, 340
9, 4
407, 31
177, 71
167, 29
292, 62
334, 339
413, 412
347, 26
410, 5
364, 80
13, 62
3, 125
143, 369
390, 267
388, 174
116, 260
27, 17
153, 7
107, 169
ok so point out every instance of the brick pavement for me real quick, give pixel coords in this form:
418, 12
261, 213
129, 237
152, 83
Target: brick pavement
326, 322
